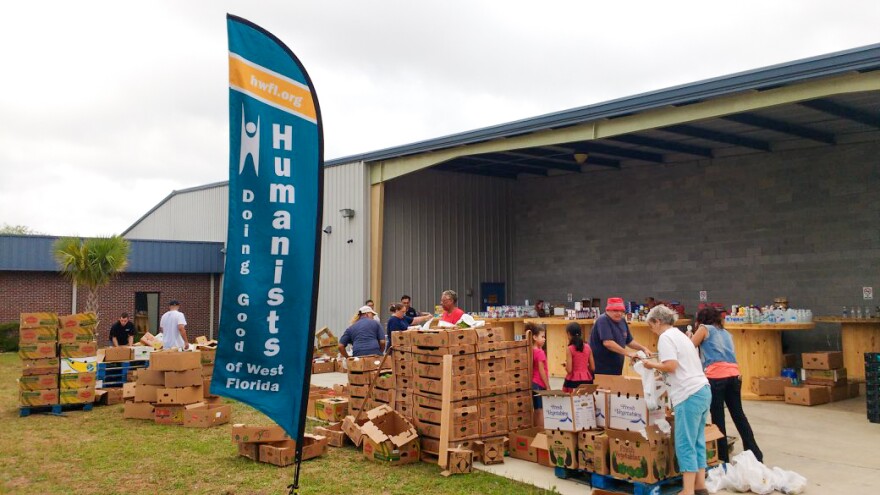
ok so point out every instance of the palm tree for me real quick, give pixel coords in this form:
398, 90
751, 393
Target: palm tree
91, 262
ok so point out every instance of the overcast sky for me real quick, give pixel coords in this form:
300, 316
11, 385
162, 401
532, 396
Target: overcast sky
106, 107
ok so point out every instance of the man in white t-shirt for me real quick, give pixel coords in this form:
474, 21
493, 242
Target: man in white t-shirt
173, 327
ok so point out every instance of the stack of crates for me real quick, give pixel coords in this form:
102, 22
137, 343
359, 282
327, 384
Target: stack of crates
362, 371
38, 349
872, 385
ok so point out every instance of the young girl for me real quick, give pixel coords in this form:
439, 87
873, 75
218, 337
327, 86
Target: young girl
539, 371
579, 364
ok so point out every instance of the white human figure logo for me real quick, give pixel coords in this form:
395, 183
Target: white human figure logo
250, 144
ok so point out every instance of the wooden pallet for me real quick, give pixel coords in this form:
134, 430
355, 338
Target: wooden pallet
614, 485
55, 409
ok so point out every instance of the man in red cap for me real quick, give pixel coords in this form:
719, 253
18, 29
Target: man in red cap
611, 339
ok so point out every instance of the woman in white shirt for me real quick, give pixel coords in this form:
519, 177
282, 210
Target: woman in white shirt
689, 393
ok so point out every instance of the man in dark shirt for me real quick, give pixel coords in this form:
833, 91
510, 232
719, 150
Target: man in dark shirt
610, 339
122, 332
410, 311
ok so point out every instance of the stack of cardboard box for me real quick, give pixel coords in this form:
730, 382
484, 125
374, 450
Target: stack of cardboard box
272, 445
491, 387
79, 353
362, 371
172, 391
38, 349
823, 379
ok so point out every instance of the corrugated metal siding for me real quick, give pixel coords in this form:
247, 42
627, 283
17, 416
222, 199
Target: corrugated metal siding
345, 277
446, 231
34, 253
198, 215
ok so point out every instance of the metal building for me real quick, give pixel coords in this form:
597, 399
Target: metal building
747, 186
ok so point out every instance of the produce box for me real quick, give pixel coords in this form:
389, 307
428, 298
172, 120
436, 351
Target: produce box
822, 360
48, 366
634, 458
175, 361
807, 395
38, 382
569, 412
33, 320
38, 397
36, 335
282, 453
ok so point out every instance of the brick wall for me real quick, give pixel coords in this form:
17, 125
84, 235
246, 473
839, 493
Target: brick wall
803, 224
22, 292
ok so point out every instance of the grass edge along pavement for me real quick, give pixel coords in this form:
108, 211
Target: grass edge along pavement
99, 452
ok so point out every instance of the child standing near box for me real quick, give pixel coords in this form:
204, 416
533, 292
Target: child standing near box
579, 363
539, 371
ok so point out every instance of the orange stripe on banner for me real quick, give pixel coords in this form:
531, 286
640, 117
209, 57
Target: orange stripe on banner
274, 89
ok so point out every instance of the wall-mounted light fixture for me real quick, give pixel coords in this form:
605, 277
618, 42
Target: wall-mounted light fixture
347, 213
581, 158
328, 229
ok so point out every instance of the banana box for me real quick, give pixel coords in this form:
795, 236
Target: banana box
38, 382
37, 335
33, 320
71, 381
40, 350
77, 395
79, 365
79, 350
48, 366
82, 320
38, 397
75, 335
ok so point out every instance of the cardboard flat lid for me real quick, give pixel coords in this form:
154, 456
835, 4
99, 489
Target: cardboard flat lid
540, 441
713, 433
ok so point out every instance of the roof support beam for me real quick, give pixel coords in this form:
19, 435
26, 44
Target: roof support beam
474, 171
662, 144
482, 162
605, 149
721, 137
843, 111
526, 157
782, 126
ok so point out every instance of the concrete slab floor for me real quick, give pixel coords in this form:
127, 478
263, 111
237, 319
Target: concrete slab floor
832, 445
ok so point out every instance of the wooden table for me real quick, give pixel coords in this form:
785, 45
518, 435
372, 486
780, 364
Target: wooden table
759, 350
857, 336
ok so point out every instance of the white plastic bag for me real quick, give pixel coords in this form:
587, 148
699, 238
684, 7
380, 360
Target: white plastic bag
746, 473
788, 482
652, 387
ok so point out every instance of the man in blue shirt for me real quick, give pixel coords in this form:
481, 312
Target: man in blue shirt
365, 335
610, 339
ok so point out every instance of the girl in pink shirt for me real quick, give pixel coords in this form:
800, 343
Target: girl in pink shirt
539, 371
579, 364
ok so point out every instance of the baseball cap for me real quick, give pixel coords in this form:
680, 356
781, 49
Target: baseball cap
615, 304
174, 302
367, 309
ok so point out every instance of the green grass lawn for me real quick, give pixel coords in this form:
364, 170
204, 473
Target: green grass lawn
99, 452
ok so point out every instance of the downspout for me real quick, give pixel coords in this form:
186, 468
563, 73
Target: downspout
73, 298
211, 311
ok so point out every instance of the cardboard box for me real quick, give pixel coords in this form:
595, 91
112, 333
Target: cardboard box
128, 390
332, 409
38, 382
521, 444
33, 320
209, 355
807, 395
519, 404
73, 335
593, 451
249, 450
352, 429
109, 396
461, 336
178, 379
494, 426
206, 415
429, 338
173, 414
247, 433
634, 458
385, 380
282, 453
83, 395
541, 444
325, 338
838, 392
141, 352
713, 434
764, 386
823, 377
117, 354
208, 371
147, 376
460, 461
562, 446
70, 381
39, 350
492, 408
79, 320
389, 438
626, 408
175, 361
519, 421
147, 393
490, 450
361, 378
48, 335
569, 412
383, 396
38, 397
79, 365
364, 363
429, 385
48, 366
853, 389
323, 366
182, 395
138, 410
822, 360
335, 436
79, 350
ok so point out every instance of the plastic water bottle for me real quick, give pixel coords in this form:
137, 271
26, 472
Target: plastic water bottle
845, 312
858, 312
